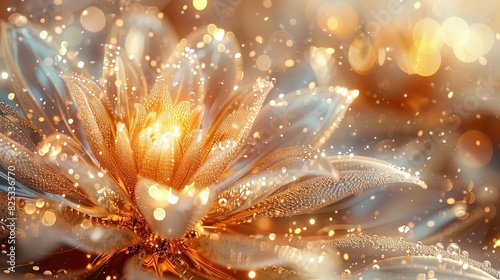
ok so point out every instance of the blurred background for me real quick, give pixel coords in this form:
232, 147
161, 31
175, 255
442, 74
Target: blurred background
429, 80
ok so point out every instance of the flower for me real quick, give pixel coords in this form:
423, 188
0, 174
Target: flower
186, 177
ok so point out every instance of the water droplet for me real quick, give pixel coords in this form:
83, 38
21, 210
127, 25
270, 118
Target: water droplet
487, 264
222, 202
465, 254
453, 249
439, 246
419, 246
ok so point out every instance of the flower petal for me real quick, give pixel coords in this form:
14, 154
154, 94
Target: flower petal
253, 188
191, 159
411, 267
48, 225
30, 171
169, 212
99, 187
34, 66
97, 121
306, 196
19, 128
145, 37
184, 73
220, 155
124, 81
249, 98
304, 117
298, 118
243, 252
407, 259
219, 54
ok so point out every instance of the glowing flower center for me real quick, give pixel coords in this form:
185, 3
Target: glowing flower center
160, 135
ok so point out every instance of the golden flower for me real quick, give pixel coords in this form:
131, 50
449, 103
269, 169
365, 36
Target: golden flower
191, 178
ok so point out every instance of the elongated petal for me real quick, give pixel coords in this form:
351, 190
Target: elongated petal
256, 252
59, 225
304, 117
34, 66
145, 38
125, 82
159, 99
99, 187
250, 97
30, 171
184, 74
355, 174
219, 53
220, 155
253, 188
368, 171
190, 160
19, 128
298, 118
97, 120
417, 257
125, 157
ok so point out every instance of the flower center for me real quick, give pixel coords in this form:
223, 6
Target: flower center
160, 135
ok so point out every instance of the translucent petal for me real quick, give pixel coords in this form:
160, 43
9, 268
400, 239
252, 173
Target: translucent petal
60, 148
65, 155
219, 55
99, 187
244, 252
19, 128
125, 83
420, 267
34, 66
363, 171
169, 212
30, 171
298, 118
304, 117
253, 188
145, 37
418, 259
217, 160
48, 225
306, 196
250, 97
185, 77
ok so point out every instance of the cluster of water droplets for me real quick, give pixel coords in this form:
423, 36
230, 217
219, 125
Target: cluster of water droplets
452, 252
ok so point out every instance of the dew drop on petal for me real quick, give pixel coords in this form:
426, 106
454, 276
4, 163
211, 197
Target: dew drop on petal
453, 249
